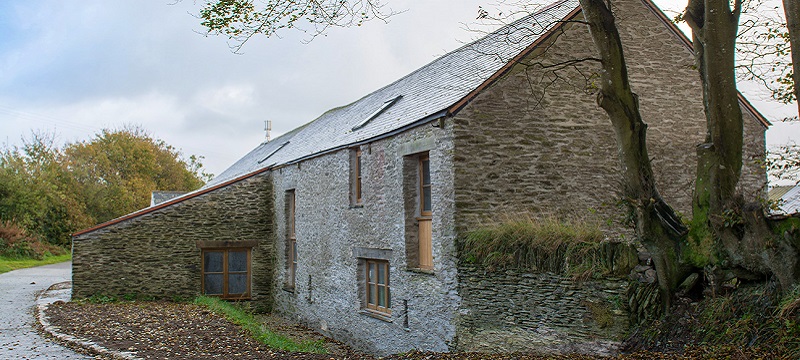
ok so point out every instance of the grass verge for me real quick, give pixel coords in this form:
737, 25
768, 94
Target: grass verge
257, 329
8, 264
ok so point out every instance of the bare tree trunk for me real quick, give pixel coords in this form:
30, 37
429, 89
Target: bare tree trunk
714, 27
738, 231
656, 224
792, 10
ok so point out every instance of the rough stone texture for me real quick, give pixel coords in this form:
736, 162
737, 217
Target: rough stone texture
529, 144
508, 311
331, 235
156, 254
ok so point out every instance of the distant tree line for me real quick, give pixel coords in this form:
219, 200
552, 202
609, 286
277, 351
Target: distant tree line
48, 192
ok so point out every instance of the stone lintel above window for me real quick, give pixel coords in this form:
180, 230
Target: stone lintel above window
205, 244
372, 253
417, 146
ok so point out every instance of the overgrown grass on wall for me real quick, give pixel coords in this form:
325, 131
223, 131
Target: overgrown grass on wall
578, 249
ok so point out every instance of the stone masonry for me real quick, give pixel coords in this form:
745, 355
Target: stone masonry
334, 237
532, 145
508, 311
157, 254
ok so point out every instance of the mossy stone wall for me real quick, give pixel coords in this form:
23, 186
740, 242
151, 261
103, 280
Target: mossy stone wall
157, 254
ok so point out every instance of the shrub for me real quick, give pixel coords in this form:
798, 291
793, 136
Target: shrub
15, 243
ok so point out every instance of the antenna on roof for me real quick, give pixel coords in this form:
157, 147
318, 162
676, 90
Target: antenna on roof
268, 129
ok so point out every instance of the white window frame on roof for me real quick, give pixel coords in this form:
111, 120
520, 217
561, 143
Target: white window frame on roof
273, 152
386, 105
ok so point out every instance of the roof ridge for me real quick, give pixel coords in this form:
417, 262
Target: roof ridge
459, 49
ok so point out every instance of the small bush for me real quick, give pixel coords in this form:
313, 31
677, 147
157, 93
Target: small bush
15, 243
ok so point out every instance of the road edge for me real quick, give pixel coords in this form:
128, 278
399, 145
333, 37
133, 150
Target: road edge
44, 324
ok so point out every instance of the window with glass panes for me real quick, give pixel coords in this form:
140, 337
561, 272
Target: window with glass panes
291, 240
378, 294
424, 185
226, 273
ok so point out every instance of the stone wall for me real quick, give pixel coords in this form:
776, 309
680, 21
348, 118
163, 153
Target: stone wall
532, 144
156, 254
508, 311
334, 238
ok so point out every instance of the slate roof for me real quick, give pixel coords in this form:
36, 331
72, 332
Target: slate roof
158, 197
425, 94
788, 199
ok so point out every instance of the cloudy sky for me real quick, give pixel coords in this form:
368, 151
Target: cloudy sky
75, 67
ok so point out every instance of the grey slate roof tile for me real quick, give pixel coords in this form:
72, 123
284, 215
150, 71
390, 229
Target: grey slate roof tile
428, 90
789, 202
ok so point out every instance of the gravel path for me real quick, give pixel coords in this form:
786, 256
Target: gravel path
18, 291
165, 330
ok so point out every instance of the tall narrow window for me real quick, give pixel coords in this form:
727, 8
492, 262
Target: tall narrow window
379, 298
226, 273
425, 185
425, 213
291, 240
355, 176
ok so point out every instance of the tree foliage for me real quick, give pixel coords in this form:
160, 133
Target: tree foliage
51, 192
764, 48
240, 20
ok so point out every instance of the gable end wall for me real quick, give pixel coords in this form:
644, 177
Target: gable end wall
558, 157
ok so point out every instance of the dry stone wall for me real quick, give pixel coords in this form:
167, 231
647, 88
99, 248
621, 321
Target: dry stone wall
157, 255
509, 311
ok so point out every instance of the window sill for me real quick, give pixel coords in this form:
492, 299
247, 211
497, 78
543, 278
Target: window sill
421, 271
376, 315
231, 298
288, 289
357, 206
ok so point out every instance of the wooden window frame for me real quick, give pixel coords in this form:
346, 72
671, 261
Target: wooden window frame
357, 196
372, 287
356, 177
422, 186
291, 239
226, 273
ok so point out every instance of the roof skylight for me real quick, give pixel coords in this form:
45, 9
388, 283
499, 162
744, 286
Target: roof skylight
273, 152
386, 105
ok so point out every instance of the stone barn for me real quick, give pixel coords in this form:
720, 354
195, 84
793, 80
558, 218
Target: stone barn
351, 223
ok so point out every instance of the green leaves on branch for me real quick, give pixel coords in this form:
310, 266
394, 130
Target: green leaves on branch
51, 192
239, 20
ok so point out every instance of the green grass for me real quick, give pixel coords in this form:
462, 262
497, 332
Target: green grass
257, 329
546, 245
8, 264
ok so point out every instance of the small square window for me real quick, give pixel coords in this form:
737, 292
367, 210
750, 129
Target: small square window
378, 291
226, 273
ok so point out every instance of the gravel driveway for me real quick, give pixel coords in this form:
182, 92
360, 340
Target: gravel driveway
18, 290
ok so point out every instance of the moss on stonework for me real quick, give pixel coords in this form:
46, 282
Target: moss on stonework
699, 250
550, 245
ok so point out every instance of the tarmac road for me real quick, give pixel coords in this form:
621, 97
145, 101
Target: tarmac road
18, 291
